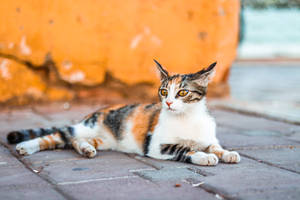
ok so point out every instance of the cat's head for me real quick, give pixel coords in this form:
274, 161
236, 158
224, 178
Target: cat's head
181, 92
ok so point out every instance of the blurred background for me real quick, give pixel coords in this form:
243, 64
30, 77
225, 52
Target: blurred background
97, 50
265, 78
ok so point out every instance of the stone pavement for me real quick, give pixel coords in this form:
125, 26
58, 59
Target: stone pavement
269, 169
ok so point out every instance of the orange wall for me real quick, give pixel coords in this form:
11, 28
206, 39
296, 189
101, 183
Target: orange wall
88, 38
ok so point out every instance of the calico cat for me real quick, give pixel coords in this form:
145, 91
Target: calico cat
178, 128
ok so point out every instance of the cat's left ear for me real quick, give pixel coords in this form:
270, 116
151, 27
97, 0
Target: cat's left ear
163, 73
204, 76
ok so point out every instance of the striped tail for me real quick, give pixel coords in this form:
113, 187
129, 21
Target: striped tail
64, 133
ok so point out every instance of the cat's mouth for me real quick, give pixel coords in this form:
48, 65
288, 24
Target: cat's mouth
171, 109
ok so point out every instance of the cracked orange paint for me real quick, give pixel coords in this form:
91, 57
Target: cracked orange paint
89, 38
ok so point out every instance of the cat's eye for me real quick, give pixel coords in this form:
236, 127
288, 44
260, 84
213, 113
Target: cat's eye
164, 92
182, 93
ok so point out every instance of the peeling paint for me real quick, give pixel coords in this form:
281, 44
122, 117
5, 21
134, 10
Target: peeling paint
11, 45
77, 76
135, 41
4, 69
146, 33
25, 49
34, 92
82, 65
147, 30
156, 40
67, 64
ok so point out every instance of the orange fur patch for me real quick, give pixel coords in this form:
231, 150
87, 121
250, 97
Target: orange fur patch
52, 142
141, 119
44, 144
96, 142
216, 149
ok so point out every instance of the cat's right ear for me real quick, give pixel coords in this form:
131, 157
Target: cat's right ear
163, 73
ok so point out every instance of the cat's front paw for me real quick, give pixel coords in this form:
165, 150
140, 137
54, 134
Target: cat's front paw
88, 150
201, 158
231, 157
27, 148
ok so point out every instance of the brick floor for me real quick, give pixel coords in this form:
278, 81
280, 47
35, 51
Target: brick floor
270, 166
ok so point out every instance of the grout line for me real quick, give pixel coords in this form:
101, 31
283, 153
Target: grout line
212, 190
269, 163
200, 172
219, 194
42, 115
254, 114
136, 157
141, 170
57, 161
96, 180
263, 147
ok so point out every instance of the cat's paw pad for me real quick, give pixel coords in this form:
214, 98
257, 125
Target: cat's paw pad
26, 148
201, 158
231, 157
88, 151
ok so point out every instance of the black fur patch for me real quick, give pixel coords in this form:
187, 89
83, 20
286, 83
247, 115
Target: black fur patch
151, 120
15, 137
164, 149
114, 119
147, 143
149, 106
66, 134
178, 151
71, 130
150, 126
181, 155
174, 148
91, 121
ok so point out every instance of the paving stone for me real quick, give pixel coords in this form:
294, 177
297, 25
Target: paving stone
168, 174
248, 177
6, 159
66, 113
17, 182
20, 119
135, 188
106, 164
295, 136
286, 194
237, 139
51, 156
250, 123
34, 192
159, 164
17, 175
284, 157
113, 175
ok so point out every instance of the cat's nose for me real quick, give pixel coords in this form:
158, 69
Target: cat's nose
168, 103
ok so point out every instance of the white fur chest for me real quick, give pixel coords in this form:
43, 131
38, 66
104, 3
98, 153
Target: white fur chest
198, 126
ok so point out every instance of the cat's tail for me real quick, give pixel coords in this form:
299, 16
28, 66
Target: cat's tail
65, 134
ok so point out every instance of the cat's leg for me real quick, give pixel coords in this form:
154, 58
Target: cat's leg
224, 155
41, 143
185, 154
84, 147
